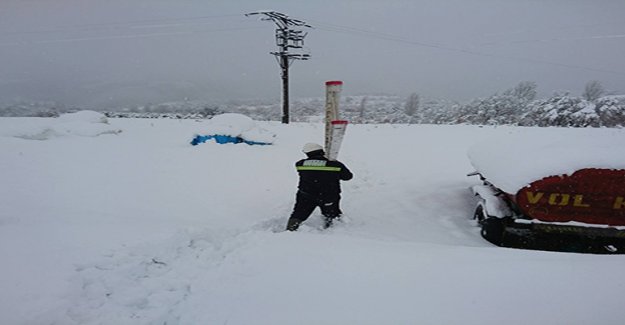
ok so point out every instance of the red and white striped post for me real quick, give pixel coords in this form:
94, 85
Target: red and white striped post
335, 127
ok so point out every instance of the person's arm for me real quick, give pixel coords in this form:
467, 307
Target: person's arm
346, 174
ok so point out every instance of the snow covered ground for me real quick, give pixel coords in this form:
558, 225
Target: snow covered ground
99, 226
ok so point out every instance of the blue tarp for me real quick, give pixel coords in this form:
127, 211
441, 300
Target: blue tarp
221, 139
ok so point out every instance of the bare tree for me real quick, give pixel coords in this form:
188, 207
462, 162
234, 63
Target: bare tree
593, 91
412, 104
525, 90
361, 109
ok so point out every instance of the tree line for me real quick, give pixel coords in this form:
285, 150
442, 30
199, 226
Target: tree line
515, 106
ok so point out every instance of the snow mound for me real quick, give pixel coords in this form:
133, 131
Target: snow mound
514, 161
84, 117
238, 125
82, 123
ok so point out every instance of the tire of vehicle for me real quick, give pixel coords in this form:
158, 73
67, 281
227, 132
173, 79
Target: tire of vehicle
493, 230
480, 214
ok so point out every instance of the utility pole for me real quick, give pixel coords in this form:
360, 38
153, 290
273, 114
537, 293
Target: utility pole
286, 38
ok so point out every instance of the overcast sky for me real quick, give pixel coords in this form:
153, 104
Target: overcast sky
122, 52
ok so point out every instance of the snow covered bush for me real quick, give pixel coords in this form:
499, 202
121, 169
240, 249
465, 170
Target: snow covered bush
498, 109
494, 110
32, 109
611, 111
567, 111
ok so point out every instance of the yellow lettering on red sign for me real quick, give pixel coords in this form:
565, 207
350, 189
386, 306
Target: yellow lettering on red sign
564, 199
578, 202
534, 198
619, 203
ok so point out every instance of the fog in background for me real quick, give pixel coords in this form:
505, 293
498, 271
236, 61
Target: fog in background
112, 53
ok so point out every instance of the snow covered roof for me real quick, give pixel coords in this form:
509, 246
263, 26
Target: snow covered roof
514, 161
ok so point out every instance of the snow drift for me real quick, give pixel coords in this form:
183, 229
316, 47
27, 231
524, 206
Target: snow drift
82, 123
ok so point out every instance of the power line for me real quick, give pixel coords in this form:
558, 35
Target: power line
556, 39
124, 36
143, 23
389, 37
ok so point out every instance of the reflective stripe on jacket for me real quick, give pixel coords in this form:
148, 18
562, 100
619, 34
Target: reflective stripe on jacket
321, 177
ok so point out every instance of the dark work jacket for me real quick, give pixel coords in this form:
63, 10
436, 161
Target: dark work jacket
320, 178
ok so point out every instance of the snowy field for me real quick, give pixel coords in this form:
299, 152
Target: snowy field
126, 223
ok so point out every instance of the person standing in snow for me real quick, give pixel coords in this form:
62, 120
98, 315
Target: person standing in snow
319, 186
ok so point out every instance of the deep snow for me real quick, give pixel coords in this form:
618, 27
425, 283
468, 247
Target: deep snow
140, 227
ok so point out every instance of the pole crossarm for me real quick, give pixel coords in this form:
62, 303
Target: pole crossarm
280, 19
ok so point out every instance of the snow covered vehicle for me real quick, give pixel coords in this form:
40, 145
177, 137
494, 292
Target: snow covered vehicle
562, 194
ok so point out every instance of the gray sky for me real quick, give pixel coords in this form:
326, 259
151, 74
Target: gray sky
115, 52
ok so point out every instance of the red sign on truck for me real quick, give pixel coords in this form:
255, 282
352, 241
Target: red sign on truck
592, 196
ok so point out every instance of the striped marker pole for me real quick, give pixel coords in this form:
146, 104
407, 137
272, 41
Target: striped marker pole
338, 132
333, 95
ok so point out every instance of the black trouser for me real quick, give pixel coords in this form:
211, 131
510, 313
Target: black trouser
305, 204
